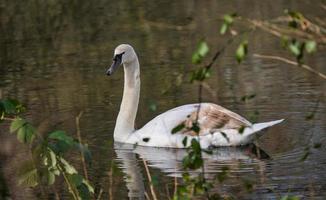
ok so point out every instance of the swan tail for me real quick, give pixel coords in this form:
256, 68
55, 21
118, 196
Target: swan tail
260, 126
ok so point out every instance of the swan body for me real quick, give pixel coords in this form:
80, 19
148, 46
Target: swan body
218, 126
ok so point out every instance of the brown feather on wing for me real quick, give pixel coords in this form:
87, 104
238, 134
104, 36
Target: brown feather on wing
212, 118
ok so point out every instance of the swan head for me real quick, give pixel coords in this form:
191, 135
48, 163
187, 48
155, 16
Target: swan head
123, 54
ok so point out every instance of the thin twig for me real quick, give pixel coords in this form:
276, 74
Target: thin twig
8, 118
306, 67
80, 142
150, 180
175, 186
111, 181
99, 194
146, 195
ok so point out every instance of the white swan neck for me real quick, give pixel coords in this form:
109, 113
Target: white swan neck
125, 123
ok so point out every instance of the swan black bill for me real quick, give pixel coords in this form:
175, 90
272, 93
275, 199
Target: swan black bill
116, 63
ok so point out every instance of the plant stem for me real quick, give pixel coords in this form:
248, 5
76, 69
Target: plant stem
150, 180
80, 141
292, 63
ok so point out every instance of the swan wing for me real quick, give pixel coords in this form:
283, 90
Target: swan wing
212, 118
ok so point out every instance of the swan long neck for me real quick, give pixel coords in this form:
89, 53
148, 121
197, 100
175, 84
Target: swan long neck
125, 123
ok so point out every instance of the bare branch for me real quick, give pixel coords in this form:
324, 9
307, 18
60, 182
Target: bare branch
306, 67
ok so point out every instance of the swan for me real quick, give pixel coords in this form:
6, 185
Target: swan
218, 126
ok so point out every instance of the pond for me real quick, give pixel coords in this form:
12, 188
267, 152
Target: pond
53, 58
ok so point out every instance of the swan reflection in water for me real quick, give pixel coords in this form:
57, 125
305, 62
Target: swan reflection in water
169, 161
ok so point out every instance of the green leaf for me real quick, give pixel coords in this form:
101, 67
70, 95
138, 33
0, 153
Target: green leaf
310, 46
27, 174
68, 167
178, 128
224, 28
203, 48
89, 186
26, 133
195, 146
295, 48
200, 74
11, 106
241, 129
241, 51
184, 141
61, 135
52, 157
195, 127
17, 124
50, 177
75, 179
201, 51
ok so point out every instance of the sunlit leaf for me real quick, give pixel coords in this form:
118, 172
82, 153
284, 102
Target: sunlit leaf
27, 174
68, 167
50, 177
295, 48
16, 124
228, 19
241, 51
224, 28
52, 157
310, 46
88, 185
178, 128
200, 53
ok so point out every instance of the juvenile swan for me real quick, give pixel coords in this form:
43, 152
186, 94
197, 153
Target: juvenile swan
218, 126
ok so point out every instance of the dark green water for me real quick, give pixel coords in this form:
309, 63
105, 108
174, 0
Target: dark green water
53, 57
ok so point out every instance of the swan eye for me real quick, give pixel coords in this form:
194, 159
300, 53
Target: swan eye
118, 56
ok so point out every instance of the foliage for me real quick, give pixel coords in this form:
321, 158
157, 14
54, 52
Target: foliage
295, 44
241, 51
200, 53
47, 160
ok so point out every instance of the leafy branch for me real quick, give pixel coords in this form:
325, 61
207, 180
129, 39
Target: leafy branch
48, 152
